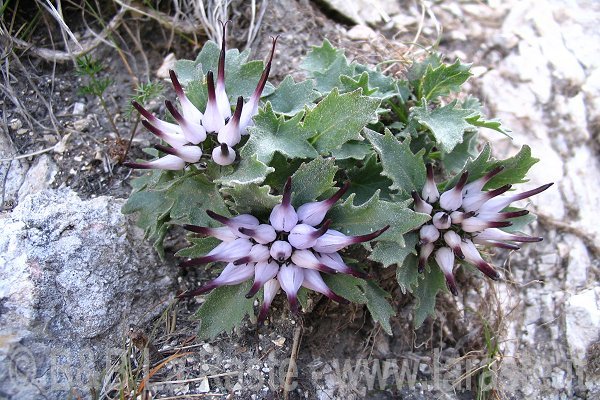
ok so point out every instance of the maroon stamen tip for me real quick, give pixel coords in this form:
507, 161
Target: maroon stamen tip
224, 149
280, 257
194, 262
287, 192
499, 191
532, 192
165, 149
357, 273
502, 245
212, 97
217, 217
339, 299
293, 300
201, 290
499, 224
137, 165
462, 181
513, 214
254, 289
488, 270
324, 268
444, 218
451, 284
265, 75
145, 113
246, 231
458, 252
429, 167
321, 231
338, 195
221, 71
493, 173
176, 84
274, 39
238, 110
422, 263
197, 229
262, 315
174, 112
242, 260
468, 214
153, 129
370, 236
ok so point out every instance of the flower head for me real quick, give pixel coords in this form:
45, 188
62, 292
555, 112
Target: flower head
285, 253
193, 127
464, 216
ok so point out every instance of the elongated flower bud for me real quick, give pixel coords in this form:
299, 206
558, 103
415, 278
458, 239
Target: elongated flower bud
306, 259
498, 235
424, 254
478, 184
451, 199
428, 234
230, 133
495, 243
501, 216
222, 233
190, 112
475, 224
441, 220
226, 251
281, 250
271, 287
283, 216
258, 253
189, 154
445, 260
168, 162
500, 203
263, 272
303, 236
333, 240
212, 120
335, 261
251, 107
262, 234
421, 205
170, 133
314, 213
234, 223
472, 256
474, 201
222, 100
314, 281
458, 216
192, 131
453, 241
430, 191
223, 155
290, 278
231, 275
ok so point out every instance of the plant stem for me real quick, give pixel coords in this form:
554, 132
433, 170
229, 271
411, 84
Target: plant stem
109, 115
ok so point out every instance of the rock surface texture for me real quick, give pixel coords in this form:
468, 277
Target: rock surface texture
73, 276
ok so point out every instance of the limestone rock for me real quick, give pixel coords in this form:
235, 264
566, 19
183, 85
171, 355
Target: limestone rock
73, 276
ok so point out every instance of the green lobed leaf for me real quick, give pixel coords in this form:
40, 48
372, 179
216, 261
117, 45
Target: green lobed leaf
367, 179
455, 161
346, 286
405, 169
199, 246
477, 167
321, 58
390, 253
312, 179
378, 306
352, 149
425, 294
444, 79
249, 170
251, 199
339, 118
478, 118
417, 69
271, 134
224, 309
447, 123
515, 169
383, 86
349, 84
289, 98
375, 214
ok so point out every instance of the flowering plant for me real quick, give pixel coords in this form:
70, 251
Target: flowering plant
303, 170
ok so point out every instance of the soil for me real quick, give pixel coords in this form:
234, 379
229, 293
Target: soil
332, 334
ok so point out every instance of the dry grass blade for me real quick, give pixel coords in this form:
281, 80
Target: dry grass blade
153, 371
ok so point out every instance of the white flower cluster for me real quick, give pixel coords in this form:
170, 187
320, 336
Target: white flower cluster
193, 126
291, 251
464, 216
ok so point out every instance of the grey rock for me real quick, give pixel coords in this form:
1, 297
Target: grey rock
583, 322
12, 173
39, 176
365, 11
73, 276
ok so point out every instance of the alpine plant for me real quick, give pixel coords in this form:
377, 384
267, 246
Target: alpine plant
193, 126
466, 216
292, 250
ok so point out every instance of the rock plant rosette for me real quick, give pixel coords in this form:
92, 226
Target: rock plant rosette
357, 148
